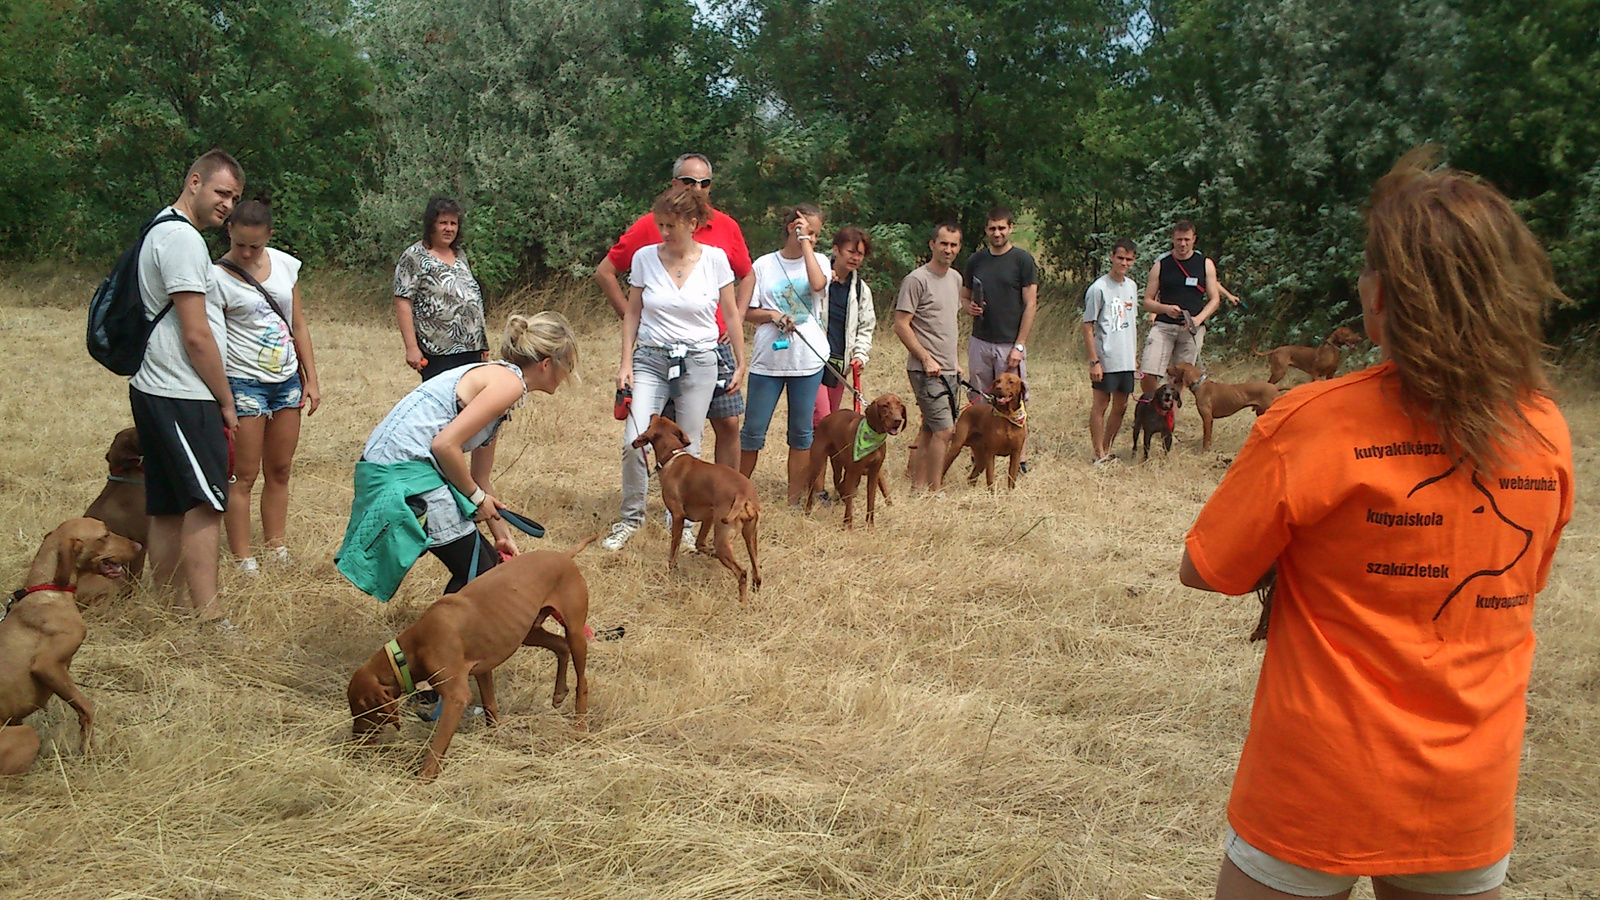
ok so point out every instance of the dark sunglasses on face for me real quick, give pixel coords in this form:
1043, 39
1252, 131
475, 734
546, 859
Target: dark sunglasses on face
686, 181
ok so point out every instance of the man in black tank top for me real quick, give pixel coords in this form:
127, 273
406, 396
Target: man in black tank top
1182, 292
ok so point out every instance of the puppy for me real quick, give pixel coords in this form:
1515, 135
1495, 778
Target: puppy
41, 630
121, 506
839, 438
991, 430
1153, 415
1318, 362
697, 491
471, 632
1215, 400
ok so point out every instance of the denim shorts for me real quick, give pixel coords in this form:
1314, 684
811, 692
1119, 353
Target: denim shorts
260, 398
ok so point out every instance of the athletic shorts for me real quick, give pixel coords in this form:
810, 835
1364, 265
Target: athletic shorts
185, 453
935, 396
723, 404
1167, 344
1114, 383
1302, 882
262, 398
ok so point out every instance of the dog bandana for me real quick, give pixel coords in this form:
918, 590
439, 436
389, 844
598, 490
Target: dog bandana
1168, 415
867, 440
1018, 418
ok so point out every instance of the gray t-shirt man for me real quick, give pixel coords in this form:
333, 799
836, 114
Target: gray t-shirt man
174, 259
1113, 308
933, 301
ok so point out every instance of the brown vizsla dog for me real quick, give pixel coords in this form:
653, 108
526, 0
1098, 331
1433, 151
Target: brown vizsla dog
998, 429
42, 630
1216, 400
121, 506
835, 442
697, 491
1318, 362
471, 632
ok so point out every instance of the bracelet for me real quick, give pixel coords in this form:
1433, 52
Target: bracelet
477, 497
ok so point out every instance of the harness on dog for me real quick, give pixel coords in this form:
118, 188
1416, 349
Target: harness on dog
866, 440
1018, 418
17, 595
397, 663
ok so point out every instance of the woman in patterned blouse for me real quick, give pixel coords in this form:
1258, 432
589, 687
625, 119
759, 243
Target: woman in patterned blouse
436, 300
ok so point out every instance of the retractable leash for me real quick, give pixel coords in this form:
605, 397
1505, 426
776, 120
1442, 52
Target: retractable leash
525, 525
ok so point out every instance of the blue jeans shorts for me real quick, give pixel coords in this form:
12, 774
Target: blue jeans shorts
260, 398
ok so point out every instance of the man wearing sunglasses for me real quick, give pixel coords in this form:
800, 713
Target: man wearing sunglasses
693, 170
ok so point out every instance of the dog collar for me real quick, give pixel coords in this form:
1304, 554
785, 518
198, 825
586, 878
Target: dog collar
17, 595
397, 662
670, 457
866, 441
123, 479
1018, 418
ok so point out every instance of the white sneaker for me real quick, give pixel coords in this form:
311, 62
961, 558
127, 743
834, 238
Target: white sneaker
618, 538
249, 566
688, 538
278, 555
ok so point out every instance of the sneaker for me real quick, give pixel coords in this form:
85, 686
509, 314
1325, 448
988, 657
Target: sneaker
688, 538
1108, 458
278, 555
824, 498
1022, 468
249, 566
618, 538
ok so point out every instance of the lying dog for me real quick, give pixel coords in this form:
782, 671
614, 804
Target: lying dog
715, 496
855, 444
1215, 400
121, 506
471, 632
41, 630
1318, 362
993, 429
1153, 415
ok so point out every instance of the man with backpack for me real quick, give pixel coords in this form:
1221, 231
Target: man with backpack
181, 403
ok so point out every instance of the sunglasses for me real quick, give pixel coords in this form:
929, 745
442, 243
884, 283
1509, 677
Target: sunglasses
686, 181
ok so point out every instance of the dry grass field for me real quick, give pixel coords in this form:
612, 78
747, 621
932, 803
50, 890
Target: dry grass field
989, 695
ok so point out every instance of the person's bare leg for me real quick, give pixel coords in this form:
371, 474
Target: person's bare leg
747, 461
798, 461
246, 466
1097, 423
201, 541
933, 458
1386, 891
727, 450
914, 468
1234, 884
277, 459
1119, 406
166, 546
1149, 383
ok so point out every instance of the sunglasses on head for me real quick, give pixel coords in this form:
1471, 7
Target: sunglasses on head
686, 181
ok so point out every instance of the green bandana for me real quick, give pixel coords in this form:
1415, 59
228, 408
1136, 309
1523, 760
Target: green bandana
867, 440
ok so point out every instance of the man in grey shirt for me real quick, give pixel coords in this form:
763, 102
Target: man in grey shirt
925, 321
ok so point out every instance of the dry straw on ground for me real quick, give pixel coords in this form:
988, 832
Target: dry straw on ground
989, 695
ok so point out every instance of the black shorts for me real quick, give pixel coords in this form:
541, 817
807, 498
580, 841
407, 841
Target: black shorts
444, 362
185, 453
1114, 383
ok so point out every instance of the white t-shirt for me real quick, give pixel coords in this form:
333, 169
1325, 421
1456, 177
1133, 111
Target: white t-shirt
173, 260
679, 315
782, 285
1114, 310
260, 343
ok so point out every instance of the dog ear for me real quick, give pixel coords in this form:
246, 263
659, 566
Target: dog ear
68, 547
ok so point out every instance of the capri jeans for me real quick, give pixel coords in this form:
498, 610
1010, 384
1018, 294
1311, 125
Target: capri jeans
761, 401
652, 386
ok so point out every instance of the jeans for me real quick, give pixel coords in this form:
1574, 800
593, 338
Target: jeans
762, 400
691, 393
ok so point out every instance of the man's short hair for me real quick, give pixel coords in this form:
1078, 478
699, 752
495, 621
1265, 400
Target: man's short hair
999, 214
945, 226
1184, 226
849, 236
210, 163
677, 164
1125, 244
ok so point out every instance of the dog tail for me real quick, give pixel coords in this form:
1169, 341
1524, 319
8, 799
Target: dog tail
577, 548
742, 511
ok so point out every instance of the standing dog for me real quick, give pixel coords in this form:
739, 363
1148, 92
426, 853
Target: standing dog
1215, 400
471, 632
1318, 362
991, 430
1153, 415
715, 496
839, 438
121, 506
41, 630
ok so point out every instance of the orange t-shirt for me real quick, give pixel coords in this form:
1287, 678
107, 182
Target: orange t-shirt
1389, 712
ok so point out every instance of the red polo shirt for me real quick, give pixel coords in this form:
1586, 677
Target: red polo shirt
720, 231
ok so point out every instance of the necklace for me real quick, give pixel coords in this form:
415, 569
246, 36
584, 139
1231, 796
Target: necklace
679, 263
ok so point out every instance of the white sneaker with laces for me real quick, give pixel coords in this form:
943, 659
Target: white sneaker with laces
278, 555
249, 566
618, 538
688, 538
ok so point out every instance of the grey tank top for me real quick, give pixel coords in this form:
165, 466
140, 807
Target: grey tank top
406, 434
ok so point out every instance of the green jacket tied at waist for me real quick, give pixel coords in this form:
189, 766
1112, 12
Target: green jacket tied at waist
384, 536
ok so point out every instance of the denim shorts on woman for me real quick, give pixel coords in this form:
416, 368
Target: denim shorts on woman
1302, 882
260, 398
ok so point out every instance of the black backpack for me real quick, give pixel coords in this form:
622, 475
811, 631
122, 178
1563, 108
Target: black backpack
118, 330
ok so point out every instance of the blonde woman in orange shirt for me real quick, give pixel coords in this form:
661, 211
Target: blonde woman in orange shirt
1411, 511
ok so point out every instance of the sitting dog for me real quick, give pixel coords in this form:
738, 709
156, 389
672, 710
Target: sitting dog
1153, 415
471, 632
1318, 362
855, 444
1215, 400
121, 506
993, 429
41, 630
697, 491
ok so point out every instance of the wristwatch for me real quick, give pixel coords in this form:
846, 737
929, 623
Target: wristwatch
477, 497
1021, 347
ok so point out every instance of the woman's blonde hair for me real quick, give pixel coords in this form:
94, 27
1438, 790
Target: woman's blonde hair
1465, 287
684, 205
541, 336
